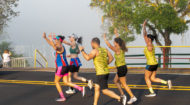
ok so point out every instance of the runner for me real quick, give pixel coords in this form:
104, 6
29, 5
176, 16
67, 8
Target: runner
120, 78
75, 62
101, 57
61, 65
152, 64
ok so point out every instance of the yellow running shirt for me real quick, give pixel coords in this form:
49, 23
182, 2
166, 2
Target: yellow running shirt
101, 62
120, 59
150, 56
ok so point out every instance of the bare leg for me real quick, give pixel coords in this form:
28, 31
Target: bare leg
70, 79
75, 76
58, 86
124, 84
158, 80
66, 82
69, 76
97, 94
111, 94
147, 78
117, 83
148, 81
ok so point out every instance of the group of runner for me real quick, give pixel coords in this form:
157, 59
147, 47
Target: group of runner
101, 58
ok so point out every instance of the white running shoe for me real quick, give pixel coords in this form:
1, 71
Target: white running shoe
150, 95
83, 91
90, 84
70, 91
60, 99
169, 84
132, 100
123, 100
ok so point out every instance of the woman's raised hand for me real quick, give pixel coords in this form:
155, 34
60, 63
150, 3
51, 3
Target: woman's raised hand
44, 35
145, 22
50, 36
104, 36
116, 32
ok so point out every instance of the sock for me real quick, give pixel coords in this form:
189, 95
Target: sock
164, 82
151, 90
78, 87
61, 95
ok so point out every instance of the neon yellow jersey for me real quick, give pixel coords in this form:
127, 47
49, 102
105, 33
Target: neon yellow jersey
150, 56
101, 62
120, 59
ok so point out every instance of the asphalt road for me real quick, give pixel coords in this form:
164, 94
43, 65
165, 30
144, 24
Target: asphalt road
28, 91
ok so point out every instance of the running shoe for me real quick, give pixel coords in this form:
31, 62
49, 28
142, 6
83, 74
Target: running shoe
83, 91
90, 84
60, 99
70, 91
124, 96
169, 84
150, 95
123, 100
132, 100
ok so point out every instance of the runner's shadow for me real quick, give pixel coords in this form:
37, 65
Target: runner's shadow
139, 93
108, 102
90, 93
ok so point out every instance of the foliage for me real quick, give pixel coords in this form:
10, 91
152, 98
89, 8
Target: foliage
7, 12
166, 17
7, 46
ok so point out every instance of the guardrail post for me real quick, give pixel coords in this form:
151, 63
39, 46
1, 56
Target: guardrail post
159, 60
35, 58
164, 58
47, 65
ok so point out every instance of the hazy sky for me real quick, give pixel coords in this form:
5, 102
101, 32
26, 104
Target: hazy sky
61, 17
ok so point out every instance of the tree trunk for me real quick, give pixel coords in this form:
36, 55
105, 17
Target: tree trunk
167, 50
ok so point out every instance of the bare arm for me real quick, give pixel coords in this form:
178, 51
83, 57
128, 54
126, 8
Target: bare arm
148, 43
88, 56
67, 43
49, 41
109, 44
110, 57
145, 32
10, 53
116, 32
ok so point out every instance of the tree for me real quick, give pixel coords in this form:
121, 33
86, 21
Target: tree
7, 46
7, 12
165, 17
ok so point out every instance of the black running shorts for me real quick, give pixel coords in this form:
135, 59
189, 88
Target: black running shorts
151, 67
102, 81
122, 71
74, 68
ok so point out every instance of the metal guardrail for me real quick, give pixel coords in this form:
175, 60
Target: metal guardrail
37, 61
159, 46
20, 62
163, 56
159, 57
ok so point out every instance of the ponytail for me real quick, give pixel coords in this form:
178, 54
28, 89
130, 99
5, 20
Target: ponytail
79, 40
121, 43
